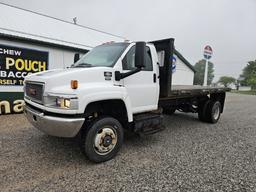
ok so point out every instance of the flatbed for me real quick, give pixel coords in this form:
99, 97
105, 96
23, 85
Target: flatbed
182, 91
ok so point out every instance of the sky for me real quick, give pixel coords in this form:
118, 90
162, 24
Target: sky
228, 26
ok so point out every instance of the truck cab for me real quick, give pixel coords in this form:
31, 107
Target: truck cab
113, 87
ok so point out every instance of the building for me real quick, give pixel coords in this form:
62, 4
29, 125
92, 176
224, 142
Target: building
32, 42
183, 71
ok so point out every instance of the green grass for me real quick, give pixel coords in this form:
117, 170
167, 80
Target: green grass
252, 92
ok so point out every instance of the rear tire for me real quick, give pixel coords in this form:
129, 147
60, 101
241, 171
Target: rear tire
102, 139
213, 112
202, 110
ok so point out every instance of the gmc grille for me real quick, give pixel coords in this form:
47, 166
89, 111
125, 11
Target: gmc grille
34, 91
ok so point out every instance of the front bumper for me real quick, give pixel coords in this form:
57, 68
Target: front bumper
55, 126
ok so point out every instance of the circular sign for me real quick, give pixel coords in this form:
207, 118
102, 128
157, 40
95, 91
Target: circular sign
207, 52
173, 64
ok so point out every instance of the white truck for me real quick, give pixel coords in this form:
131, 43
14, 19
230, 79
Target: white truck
112, 88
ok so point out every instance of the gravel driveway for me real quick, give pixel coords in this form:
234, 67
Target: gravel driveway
187, 156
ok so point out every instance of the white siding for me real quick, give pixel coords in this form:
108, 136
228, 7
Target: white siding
183, 74
245, 88
25, 24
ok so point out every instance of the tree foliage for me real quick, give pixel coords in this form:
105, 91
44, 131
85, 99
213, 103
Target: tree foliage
199, 75
249, 74
252, 81
226, 80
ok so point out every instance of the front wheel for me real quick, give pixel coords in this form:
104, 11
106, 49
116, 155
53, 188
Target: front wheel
102, 140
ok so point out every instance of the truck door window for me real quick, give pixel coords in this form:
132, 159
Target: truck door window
129, 60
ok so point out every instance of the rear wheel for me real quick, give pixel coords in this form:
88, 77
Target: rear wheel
202, 110
213, 112
102, 140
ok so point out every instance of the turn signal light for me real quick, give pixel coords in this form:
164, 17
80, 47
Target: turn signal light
74, 84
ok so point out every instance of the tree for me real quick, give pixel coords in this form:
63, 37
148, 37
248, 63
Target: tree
249, 74
226, 81
199, 75
252, 81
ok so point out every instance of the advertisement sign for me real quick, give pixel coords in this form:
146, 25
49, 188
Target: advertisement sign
17, 62
11, 102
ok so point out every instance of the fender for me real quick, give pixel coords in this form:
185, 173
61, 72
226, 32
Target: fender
100, 92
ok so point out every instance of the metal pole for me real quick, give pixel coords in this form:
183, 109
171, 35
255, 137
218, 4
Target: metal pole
206, 72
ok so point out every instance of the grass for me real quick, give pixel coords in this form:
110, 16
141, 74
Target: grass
252, 92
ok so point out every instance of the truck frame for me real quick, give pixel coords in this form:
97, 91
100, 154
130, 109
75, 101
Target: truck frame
115, 87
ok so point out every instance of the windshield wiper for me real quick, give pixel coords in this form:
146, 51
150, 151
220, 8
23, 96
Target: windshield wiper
83, 65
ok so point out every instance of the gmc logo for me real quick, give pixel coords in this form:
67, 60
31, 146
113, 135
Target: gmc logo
31, 91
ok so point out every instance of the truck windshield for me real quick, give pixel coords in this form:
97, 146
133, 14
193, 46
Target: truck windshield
102, 56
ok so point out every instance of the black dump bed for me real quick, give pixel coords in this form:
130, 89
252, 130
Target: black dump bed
169, 91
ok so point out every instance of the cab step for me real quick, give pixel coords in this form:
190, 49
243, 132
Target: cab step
148, 123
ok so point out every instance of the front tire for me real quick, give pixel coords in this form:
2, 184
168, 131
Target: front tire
102, 140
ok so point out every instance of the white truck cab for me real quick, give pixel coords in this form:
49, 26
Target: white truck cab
114, 86
94, 74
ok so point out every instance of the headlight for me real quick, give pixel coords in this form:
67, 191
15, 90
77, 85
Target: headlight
63, 102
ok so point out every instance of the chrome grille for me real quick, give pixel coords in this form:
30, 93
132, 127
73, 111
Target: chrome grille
34, 91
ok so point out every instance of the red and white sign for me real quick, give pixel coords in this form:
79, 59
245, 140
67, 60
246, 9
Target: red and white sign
207, 52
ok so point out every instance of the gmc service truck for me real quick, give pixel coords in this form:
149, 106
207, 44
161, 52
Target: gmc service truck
112, 88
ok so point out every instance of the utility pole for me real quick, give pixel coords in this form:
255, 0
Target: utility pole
206, 72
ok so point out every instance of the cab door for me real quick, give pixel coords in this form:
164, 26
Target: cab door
142, 87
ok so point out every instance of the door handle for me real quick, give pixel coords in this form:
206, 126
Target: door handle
154, 78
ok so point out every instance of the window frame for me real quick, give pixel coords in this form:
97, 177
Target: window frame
143, 69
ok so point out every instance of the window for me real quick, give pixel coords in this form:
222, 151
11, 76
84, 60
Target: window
103, 55
129, 60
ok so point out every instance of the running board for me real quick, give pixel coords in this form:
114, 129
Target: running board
148, 123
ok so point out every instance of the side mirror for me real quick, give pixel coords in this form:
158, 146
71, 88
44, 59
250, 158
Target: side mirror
76, 57
140, 55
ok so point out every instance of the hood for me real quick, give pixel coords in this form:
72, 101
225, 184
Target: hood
59, 79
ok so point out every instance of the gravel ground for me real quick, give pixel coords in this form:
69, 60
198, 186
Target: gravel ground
188, 156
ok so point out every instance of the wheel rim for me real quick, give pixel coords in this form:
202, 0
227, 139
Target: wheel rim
105, 140
216, 112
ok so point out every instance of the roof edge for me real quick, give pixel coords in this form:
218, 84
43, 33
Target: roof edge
45, 43
61, 20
